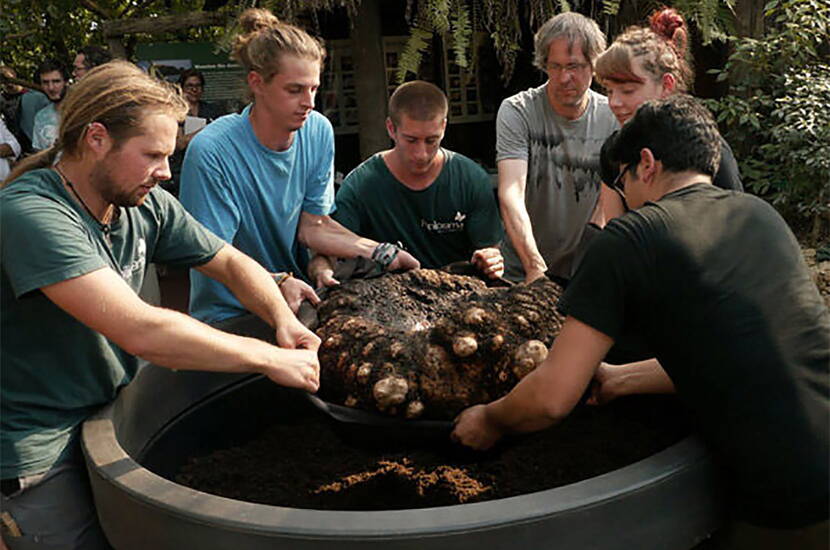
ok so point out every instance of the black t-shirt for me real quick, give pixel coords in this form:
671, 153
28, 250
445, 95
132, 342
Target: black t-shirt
728, 176
714, 282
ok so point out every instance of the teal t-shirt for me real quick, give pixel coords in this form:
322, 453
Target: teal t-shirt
444, 223
55, 370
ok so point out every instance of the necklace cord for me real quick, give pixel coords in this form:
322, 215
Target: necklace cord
105, 228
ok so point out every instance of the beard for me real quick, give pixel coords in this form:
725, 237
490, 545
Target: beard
103, 180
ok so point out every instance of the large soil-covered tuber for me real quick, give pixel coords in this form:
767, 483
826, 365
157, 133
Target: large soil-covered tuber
427, 344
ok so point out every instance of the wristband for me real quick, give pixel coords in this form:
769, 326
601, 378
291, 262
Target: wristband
384, 254
281, 277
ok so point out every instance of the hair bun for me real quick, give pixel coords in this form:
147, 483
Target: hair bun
669, 24
256, 19
666, 21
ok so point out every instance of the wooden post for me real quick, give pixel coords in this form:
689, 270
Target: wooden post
370, 85
116, 47
749, 18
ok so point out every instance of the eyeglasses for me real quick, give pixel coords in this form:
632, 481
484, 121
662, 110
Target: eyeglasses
618, 184
570, 68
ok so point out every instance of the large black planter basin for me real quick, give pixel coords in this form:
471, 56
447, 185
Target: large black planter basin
669, 500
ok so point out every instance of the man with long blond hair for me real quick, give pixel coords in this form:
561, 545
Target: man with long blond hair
80, 223
263, 179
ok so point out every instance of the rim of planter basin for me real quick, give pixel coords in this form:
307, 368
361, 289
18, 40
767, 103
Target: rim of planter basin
668, 500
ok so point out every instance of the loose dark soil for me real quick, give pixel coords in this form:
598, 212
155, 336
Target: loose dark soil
305, 463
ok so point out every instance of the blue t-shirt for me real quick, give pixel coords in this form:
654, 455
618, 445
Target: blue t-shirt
252, 197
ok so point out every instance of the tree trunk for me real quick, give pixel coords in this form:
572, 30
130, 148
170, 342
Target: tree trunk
116, 47
370, 84
749, 18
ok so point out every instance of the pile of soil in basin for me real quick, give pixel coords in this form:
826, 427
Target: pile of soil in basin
304, 462
427, 344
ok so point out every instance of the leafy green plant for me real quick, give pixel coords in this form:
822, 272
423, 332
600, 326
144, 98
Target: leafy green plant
776, 115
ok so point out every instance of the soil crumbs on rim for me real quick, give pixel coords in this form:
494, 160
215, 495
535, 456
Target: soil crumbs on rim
306, 462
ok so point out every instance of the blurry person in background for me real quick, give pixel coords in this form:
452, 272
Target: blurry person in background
87, 58
199, 114
54, 81
19, 107
9, 149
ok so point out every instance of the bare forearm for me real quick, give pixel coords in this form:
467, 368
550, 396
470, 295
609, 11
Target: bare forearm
174, 340
520, 232
525, 408
553, 389
325, 236
252, 285
642, 377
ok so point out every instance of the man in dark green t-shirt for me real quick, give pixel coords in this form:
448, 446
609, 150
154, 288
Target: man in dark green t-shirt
439, 204
80, 224
713, 282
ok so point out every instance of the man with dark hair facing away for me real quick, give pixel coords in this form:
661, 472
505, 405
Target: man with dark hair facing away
439, 204
715, 284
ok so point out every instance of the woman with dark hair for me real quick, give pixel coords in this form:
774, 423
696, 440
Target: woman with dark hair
192, 82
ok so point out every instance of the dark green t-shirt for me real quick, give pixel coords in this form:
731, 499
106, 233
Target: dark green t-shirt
716, 284
444, 223
55, 370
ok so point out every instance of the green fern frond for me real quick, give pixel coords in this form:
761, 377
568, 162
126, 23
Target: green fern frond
410, 59
611, 7
436, 14
461, 32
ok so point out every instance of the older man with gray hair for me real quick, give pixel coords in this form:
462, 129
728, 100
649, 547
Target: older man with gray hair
548, 141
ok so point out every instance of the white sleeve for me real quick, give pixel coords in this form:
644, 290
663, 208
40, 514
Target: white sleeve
7, 137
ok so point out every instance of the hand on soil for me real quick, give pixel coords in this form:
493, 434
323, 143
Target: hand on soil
489, 261
295, 335
295, 291
297, 368
473, 429
531, 276
325, 278
404, 261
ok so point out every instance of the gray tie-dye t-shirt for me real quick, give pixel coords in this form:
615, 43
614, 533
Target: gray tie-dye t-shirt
562, 172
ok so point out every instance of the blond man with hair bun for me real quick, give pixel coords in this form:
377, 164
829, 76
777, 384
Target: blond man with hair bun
80, 222
263, 179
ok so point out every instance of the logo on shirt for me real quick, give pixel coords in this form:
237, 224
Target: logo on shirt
137, 265
453, 226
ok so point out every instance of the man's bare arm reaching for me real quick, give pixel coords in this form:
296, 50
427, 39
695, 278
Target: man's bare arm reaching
105, 303
512, 182
328, 238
